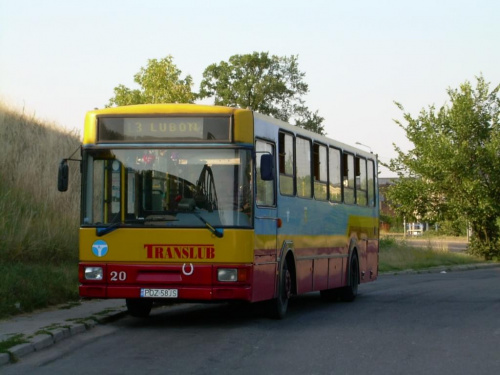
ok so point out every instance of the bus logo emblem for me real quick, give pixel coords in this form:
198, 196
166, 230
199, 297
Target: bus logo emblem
100, 248
187, 273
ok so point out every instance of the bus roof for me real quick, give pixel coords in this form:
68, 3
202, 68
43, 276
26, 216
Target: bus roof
314, 136
90, 129
170, 108
182, 109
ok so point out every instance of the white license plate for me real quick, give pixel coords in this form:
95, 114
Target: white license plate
159, 293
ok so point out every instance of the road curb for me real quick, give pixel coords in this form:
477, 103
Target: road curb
51, 337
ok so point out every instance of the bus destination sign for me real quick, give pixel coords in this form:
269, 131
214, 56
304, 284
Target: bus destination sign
163, 129
173, 127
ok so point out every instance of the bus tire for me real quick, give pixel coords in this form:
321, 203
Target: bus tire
139, 308
349, 293
279, 306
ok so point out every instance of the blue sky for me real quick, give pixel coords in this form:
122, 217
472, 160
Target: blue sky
60, 58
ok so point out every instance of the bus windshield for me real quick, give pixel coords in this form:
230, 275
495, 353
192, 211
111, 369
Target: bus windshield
167, 187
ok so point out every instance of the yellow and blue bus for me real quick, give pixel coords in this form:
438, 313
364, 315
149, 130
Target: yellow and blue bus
185, 202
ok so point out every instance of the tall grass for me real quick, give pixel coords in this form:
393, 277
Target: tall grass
37, 223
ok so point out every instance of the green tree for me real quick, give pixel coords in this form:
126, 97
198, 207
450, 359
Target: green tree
160, 82
306, 119
270, 85
453, 171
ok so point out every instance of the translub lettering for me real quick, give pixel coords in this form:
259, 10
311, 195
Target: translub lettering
166, 251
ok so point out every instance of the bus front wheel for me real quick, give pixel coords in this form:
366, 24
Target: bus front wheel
279, 306
139, 308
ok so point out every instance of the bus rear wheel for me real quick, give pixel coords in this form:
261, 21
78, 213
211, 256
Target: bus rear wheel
279, 306
139, 308
350, 292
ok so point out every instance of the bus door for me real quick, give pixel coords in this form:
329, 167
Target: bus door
266, 222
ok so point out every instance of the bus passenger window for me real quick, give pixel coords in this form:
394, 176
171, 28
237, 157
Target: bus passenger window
320, 172
348, 178
304, 168
335, 184
265, 189
286, 162
361, 183
371, 183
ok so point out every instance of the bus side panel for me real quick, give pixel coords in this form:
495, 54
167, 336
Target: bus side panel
363, 231
372, 260
264, 276
320, 280
264, 273
304, 276
373, 252
266, 241
335, 273
362, 256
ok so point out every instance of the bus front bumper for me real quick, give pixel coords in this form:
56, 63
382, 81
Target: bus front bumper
169, 282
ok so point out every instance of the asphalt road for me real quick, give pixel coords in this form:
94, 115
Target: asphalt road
434, 323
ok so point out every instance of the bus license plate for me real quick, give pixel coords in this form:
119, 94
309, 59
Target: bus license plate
159, 293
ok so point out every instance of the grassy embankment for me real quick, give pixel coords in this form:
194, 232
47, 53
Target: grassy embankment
38, 225
396, 255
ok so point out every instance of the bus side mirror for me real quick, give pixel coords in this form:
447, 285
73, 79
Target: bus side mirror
62, 177
267, 167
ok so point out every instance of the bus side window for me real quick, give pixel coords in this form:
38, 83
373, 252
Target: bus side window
265, 188
320, 172
348, 178
304, 174
371, 183
361, 183
335, 180
286, 163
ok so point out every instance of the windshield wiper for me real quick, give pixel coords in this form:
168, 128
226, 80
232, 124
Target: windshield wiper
218, 232
103, 230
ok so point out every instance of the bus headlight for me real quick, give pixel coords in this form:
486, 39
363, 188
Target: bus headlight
93, 273
227, 274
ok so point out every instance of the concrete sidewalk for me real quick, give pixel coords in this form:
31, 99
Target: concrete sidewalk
47, 327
